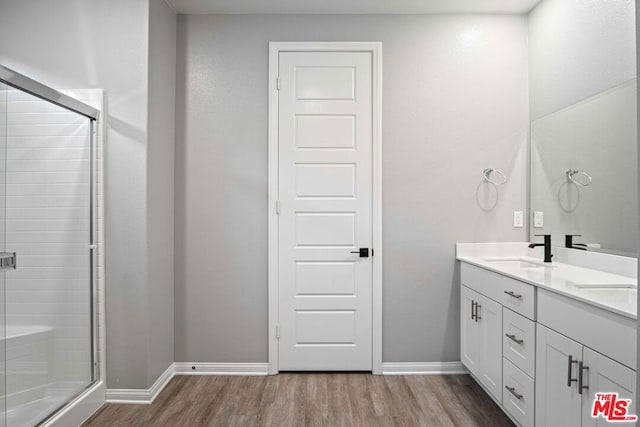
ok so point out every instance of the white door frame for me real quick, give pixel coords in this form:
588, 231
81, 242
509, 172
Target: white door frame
376, 54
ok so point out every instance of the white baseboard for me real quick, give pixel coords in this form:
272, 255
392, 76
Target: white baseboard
141, 396
187, 368
423, 368
147, 396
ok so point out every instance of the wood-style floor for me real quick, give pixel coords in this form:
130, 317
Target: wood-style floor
311, 399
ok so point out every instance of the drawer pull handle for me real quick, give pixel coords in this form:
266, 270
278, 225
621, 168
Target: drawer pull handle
581, 369
514, 339
569, 376
512, 390
513, 294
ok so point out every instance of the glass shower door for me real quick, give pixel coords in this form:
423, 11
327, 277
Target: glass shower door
47, 222
3, 151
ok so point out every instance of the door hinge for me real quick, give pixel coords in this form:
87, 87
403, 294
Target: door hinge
278, 207
277, 332
278, 83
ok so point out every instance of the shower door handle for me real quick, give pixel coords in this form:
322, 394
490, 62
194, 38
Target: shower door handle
8, 260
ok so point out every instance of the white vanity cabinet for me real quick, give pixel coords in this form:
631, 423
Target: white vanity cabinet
540, 354
498, 338
481, 339
581, 350
569, 376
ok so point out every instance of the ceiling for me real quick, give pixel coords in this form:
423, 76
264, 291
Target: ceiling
199, 7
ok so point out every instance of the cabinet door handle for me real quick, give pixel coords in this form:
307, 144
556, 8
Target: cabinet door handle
514, 339
473, 314
513, 294
581, 369
477, 316
512, 390
569, 376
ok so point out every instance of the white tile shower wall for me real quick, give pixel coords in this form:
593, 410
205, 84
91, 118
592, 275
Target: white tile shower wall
47, 211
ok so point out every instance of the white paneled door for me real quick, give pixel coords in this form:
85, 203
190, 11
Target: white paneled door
325, 139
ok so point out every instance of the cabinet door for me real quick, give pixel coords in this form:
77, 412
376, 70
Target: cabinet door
469, 331
557, 403
604, 375
489, 315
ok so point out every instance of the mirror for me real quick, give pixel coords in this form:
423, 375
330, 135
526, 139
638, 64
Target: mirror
583, 172
596, 141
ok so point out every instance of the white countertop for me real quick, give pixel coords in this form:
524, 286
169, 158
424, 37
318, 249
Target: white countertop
577, 282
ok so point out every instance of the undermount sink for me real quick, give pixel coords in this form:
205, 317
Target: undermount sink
604, 286
627, 295
514, 263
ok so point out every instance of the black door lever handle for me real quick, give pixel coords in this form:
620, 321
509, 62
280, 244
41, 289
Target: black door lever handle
364, 252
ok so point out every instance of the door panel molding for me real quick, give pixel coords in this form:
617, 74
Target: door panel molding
275, 48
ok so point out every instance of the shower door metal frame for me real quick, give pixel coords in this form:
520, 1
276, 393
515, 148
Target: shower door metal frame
24, 83
19, 81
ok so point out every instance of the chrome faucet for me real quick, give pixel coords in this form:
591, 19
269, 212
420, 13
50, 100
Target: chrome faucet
568, 242
547, 246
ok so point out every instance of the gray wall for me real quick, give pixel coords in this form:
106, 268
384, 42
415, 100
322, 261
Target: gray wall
569, 41
455, 101
160, 178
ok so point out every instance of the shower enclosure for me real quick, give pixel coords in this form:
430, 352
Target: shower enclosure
47, 349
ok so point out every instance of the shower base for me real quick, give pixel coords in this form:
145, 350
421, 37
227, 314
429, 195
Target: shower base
31, 413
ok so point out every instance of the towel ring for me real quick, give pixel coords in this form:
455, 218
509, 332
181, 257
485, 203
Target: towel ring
570, 174
487, 176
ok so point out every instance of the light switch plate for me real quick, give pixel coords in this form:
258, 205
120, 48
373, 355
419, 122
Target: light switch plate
538, 219
518, 219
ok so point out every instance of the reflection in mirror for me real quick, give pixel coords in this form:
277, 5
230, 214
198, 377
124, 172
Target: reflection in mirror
584, 172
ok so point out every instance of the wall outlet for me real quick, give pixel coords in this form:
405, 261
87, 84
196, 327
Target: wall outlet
518, 219
538, 219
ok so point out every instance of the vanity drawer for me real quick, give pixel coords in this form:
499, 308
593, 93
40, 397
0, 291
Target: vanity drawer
518, 296
513, 294
517, 394
519, 341
479, 279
